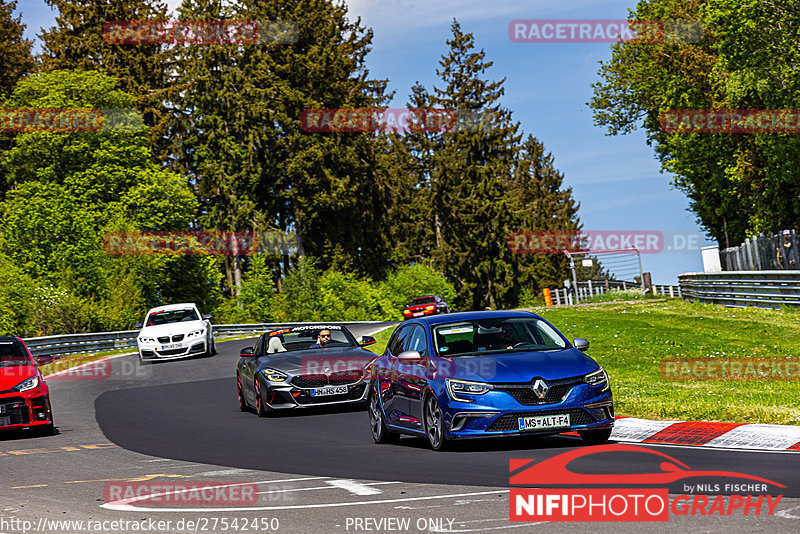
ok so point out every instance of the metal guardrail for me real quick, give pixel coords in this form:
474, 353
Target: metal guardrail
764, 289
126, 339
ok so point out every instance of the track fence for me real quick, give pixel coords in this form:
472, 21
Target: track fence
59, 346
764, 289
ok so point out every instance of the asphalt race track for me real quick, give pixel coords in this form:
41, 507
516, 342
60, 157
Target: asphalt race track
199, 421
179, 420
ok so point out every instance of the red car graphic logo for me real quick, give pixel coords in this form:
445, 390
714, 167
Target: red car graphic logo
554, 470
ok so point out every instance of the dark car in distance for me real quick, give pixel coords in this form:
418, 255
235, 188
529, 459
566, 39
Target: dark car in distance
425, 306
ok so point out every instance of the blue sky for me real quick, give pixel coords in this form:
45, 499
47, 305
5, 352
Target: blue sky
615, 179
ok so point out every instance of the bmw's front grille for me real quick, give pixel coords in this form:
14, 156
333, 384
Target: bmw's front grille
577, 416
15, 410
163, 339
524, 394
354, 393
334, 379
177, 337
171, 352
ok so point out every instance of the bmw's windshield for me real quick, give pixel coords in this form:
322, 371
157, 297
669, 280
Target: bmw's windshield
495, 336
308, 337
172, 316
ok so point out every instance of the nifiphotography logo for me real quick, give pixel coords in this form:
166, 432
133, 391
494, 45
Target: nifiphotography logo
628, 496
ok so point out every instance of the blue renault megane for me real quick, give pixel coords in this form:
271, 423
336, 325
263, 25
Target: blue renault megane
486, 374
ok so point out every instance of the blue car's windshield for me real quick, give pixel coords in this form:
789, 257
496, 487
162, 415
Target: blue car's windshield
496, 335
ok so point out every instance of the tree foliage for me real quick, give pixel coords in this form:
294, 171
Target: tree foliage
738, 184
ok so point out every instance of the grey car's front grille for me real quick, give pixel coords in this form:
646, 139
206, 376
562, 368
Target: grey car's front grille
354, 393
334, 379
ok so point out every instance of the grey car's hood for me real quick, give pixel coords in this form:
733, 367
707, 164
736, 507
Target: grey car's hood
317, 360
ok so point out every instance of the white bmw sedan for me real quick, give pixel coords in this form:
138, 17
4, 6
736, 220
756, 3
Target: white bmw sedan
175, 331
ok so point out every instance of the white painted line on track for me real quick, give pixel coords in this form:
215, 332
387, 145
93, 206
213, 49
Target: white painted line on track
292, 490
356, 488
222, 473
132, 508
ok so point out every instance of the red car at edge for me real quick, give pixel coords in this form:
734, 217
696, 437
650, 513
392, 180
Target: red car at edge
425, 306
24, 396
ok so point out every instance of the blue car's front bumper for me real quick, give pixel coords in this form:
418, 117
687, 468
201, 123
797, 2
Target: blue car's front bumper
497, 413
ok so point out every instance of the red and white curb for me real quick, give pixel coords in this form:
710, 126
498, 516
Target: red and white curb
708, 434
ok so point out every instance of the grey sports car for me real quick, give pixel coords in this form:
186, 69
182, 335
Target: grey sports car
302, 366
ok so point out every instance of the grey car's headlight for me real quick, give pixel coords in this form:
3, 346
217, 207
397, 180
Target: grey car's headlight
598, 378
274, 375
198, 332
30, 383
456, 388
145, 339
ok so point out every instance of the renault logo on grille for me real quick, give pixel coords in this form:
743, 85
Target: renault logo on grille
540, 387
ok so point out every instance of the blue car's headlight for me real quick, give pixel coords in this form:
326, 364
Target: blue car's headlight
456, 388
598, 378
274, 375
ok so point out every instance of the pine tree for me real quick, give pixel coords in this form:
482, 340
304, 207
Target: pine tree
77, 42
324, 186
16, 60
537, 201
470, 164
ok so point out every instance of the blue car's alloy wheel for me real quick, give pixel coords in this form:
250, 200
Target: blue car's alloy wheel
434, 426
376, 423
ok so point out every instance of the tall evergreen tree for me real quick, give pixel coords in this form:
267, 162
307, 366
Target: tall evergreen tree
16, 60
470, 165
324, 186
538, 201
77, 42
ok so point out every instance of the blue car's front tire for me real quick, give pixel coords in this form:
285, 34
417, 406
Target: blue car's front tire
377, 423
434, 424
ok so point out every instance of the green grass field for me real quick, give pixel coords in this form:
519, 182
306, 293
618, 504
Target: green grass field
631, 339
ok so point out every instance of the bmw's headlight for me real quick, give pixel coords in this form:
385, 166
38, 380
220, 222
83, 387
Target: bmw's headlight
456, 388
274, 375
597, 378
30, 383
198, 332
145, 339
